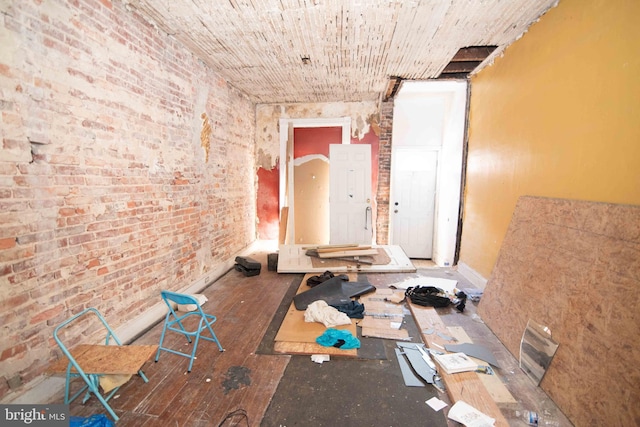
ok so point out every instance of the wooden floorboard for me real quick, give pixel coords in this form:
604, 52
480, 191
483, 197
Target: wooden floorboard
238, 379
220, 382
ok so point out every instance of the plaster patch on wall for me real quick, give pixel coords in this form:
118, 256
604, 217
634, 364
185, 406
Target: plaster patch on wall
265, 160
363, 115
304, 159
267, 135
205, 136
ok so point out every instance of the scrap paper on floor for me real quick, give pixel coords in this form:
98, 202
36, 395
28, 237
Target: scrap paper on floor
436, 404
466, 414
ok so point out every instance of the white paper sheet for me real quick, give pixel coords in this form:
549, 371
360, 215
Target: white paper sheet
466, 414
436, 404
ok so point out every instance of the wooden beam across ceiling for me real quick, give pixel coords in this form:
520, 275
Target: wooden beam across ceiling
465, 61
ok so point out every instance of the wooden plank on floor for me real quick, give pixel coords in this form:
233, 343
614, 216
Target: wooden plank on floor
466, 386
348, 253
493, 383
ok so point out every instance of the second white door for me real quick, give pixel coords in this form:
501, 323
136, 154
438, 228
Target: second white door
413, 196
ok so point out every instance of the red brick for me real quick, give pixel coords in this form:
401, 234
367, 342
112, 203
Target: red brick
47, 314
7, 243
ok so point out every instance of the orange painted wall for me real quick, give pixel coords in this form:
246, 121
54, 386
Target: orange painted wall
558, 115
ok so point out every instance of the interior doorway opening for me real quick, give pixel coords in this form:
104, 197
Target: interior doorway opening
304, 176
429, 118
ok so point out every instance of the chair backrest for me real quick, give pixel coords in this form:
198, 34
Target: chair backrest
58, 331
181, 300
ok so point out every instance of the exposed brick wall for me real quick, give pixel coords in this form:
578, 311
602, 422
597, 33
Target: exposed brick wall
384, 173
105, 196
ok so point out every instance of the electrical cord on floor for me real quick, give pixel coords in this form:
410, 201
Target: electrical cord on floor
240, 412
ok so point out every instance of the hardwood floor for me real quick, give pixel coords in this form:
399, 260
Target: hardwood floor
220, 382
240, 381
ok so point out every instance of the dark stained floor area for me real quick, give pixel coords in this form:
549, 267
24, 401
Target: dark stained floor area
248, 384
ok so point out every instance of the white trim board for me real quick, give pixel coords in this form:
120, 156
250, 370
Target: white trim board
473, 276
292, 259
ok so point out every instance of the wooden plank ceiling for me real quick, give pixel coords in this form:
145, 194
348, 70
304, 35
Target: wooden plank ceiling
281, 51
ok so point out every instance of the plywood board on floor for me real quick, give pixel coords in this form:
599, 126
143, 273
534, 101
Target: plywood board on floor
383, 319
572, 266
292, 259
295, 336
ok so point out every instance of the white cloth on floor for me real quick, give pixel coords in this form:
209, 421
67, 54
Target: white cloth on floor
320, 311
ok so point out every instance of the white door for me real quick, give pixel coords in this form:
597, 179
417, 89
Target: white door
413, 195
350, 194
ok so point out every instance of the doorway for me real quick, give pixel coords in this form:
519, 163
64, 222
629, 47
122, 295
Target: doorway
412, 210
429, 116
304, 176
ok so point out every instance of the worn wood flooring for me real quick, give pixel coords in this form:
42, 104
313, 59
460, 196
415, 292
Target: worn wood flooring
236, 387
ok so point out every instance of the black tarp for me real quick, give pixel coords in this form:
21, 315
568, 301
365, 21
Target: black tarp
334, 291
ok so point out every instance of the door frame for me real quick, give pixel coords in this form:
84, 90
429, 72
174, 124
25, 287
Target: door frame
286, 159
393, 187
450, 183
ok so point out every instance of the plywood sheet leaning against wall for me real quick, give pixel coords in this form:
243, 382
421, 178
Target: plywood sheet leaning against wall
574, 266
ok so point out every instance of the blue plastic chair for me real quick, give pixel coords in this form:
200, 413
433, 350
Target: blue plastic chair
77, 367
174, 322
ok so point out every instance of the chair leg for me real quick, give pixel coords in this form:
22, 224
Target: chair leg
106, 406
143, 376
215, 338
67, 385
164, 330
193, 352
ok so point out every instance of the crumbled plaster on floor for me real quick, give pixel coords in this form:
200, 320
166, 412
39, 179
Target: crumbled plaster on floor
363, 115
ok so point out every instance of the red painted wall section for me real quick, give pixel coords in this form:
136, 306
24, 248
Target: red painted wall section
315, 140
268, 209
308, 141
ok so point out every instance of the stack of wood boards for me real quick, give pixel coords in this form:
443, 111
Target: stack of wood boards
342, 251
389, 258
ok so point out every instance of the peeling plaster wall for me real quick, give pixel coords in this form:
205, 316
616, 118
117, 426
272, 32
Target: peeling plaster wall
364, 128
363, 115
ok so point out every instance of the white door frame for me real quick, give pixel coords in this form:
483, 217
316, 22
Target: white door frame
449, 181
393, 188
286, 159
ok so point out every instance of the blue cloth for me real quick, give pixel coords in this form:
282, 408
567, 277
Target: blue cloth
340, 338
98, 420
